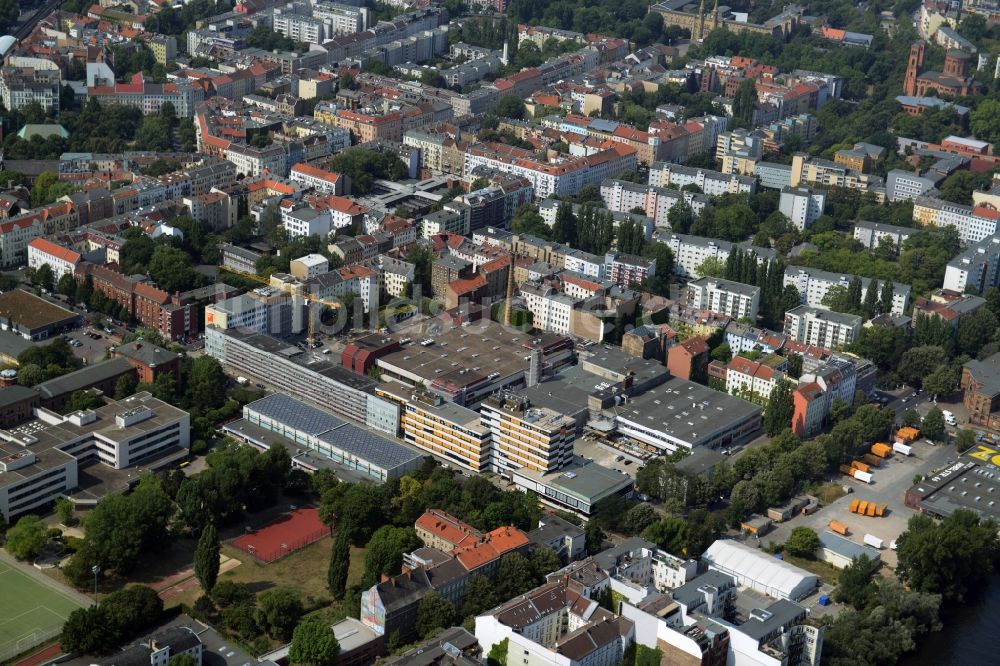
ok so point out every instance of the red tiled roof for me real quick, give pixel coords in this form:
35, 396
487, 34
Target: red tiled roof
53, 250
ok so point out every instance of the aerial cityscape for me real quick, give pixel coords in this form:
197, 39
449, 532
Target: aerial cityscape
499, 332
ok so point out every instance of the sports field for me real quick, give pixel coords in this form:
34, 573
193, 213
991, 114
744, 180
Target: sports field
30, 612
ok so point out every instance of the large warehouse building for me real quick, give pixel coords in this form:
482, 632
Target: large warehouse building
346, 445
759, 571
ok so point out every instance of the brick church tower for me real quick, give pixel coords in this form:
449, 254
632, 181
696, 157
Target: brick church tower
913, 68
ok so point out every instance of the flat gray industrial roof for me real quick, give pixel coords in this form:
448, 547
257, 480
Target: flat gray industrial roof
377, 450
589, 482
295, 414
685, 410
846, 547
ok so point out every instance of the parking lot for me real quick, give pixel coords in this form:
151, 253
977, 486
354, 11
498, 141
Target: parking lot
89, 349
889, 485
605, 457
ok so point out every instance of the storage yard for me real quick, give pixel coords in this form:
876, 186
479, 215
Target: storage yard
884, 493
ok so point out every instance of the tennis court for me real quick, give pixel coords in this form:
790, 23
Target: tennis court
30, 613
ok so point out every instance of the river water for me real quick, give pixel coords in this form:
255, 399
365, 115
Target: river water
963, 641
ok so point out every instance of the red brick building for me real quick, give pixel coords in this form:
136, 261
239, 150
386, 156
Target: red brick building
149, 360
150, 306
688, 359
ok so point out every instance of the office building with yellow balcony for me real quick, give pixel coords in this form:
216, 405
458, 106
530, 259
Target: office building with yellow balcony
448, 431
536, 438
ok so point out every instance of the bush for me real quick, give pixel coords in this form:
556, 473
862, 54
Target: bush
26, 539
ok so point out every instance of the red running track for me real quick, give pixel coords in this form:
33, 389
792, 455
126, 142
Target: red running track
285, 535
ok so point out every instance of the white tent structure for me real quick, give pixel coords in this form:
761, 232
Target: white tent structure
759, 571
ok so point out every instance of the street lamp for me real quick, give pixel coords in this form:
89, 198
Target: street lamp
96, 569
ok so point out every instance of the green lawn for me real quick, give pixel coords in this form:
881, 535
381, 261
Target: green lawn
30, 612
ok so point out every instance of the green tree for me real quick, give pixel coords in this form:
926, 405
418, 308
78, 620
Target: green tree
854, 585
132, 610
313, 644
985, 120
125, 386
802, 542
64, 511
86, 631
82, 401
206, 558
965, 440
206, 383
26, 538
594, 536
942, 381
497, 655
949, 557
340, 562
279, 611
66, 285
171, 268
932, 425
975, 330
510, 106
564, 227
543, 562
638, 518
433, 614
384, 552
780, 409
722, 353
514, 575
480, 596
745, 103
711, 267
43, 277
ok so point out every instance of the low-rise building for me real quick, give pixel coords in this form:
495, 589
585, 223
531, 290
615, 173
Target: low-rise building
356, 449
554, 624
873, 234
41, 459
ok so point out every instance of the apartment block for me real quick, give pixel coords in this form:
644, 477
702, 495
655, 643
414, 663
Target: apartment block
974, 223
977, 268
735, 299
712, 183
556, 625
870, 234
752, 380
801, 205
813, 285
692, 251
320, 179
822, 328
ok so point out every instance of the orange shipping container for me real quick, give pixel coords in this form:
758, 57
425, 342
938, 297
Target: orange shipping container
838, 527
881, 510
881, 450
854, 505
871, 510
857, 464
862, 507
